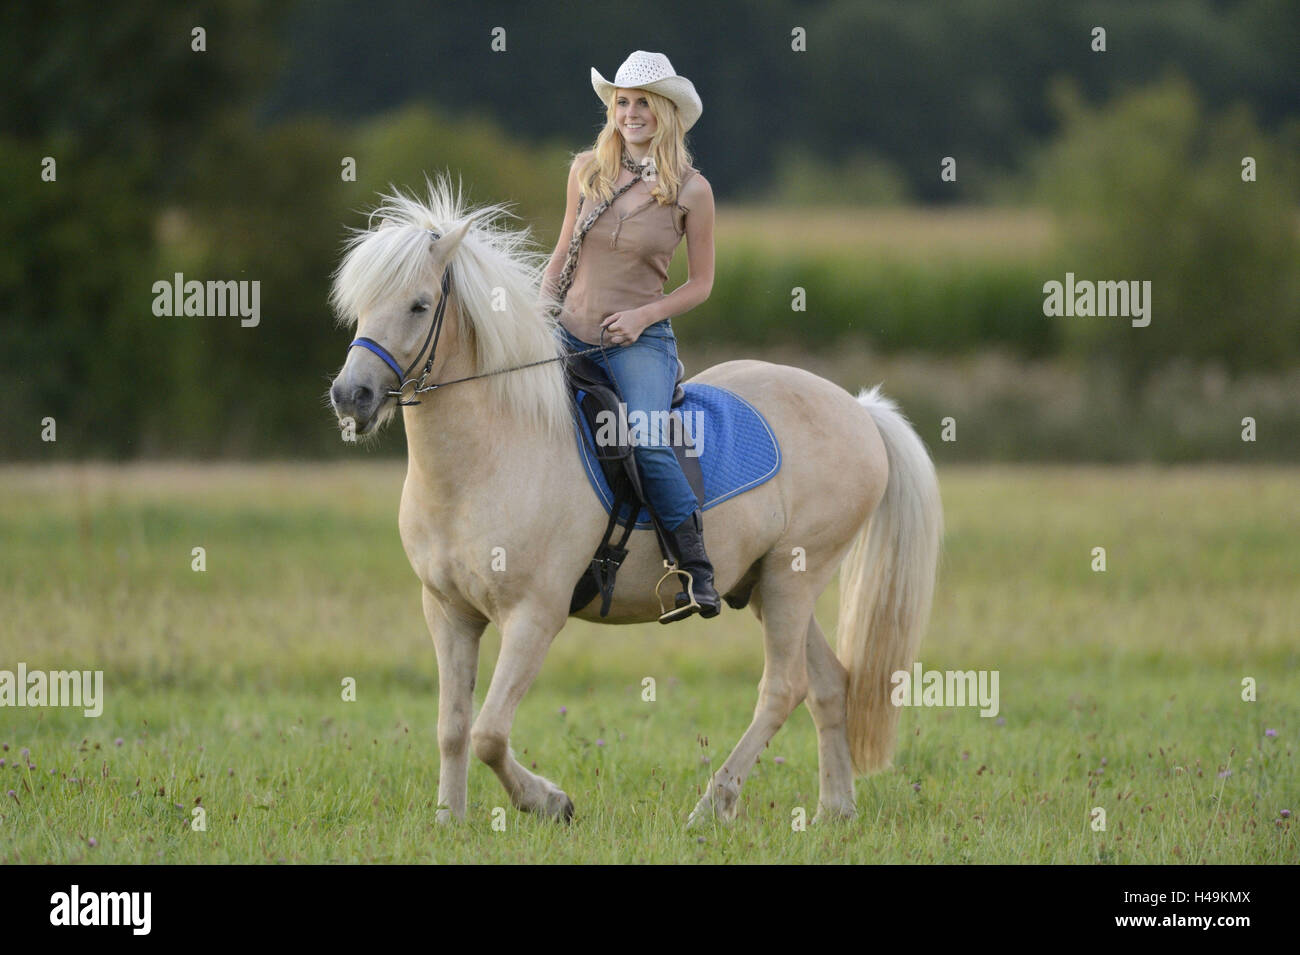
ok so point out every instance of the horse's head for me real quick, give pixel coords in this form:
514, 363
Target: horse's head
394, 281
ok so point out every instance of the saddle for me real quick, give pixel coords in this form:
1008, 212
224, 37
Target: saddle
594, 398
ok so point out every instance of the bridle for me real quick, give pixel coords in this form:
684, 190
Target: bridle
435, 332
417, 385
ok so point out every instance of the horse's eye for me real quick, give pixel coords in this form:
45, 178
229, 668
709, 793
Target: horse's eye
420, 307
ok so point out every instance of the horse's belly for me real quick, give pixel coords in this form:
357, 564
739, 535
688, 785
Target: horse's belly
737, 533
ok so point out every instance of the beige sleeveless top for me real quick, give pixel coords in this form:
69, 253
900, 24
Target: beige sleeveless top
623, 263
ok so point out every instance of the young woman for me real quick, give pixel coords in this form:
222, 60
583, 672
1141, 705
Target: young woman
631, 198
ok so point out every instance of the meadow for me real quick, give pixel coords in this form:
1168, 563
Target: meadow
1120, 690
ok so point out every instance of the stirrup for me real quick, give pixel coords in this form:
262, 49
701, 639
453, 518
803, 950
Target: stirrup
685, 610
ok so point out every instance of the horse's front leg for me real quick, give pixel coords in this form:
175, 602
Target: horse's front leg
525, 637
456, 639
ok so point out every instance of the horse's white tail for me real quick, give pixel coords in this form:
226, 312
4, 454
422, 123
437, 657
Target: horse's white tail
887, 584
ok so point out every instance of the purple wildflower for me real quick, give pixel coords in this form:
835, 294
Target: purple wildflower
1286, 814
118, 741
92, 842
1269, 733
779, 760
600, 742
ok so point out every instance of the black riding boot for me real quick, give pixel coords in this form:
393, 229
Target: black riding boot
689, 543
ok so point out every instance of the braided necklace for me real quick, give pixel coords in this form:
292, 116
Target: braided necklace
646, 166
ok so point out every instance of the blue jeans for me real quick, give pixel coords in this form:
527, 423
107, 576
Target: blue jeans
647, 371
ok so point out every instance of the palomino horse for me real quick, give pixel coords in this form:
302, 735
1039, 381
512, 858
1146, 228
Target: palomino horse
493, 463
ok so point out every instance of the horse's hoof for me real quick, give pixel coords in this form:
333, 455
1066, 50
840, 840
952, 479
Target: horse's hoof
555, 804
709, 813
698, 819
566, 811
558, 807
834, 814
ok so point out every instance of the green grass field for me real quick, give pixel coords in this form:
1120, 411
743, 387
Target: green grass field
1119, 690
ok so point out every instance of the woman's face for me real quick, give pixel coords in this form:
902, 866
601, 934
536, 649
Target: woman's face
632, 113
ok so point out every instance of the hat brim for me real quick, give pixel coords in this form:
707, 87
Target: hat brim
676, 88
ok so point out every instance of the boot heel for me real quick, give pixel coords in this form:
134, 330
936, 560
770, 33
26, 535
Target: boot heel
695, 569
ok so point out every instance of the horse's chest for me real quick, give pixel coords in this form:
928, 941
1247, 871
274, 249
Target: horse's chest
453, 561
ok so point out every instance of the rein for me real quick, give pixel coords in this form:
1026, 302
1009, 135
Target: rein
503, 371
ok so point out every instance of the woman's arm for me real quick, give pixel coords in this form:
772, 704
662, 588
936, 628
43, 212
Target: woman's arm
697, 196
551, 276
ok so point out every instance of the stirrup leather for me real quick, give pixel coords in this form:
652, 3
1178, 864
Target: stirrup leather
685, 610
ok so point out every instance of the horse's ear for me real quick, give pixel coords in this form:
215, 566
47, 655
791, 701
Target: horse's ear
446, 246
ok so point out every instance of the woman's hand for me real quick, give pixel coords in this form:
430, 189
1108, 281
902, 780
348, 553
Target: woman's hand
624, 328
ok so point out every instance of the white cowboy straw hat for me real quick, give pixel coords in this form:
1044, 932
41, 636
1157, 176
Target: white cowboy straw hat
653, 72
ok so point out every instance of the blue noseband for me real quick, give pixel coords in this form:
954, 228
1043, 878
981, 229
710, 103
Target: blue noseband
382, 352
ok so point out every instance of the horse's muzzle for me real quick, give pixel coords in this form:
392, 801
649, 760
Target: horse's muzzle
360, 402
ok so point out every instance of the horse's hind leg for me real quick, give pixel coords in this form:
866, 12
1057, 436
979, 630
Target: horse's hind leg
827, 701
784, 683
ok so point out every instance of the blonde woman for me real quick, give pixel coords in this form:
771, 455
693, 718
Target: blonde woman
631, 199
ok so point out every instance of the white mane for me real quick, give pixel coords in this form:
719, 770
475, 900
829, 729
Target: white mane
493, 264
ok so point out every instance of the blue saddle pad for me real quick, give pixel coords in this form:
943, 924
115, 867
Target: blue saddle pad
738, 450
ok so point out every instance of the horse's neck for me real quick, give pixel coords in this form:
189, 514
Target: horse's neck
458, 437
454, 430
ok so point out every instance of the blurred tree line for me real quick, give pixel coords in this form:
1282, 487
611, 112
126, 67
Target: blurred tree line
1204, 206
226, 164
890, 84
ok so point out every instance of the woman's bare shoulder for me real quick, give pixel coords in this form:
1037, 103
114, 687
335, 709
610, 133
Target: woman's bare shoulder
695, 190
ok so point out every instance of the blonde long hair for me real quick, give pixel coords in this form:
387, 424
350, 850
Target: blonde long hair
668, 147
